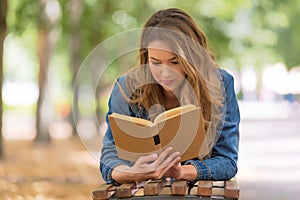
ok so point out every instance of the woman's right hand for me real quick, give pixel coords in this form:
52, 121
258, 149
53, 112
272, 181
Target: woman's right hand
146, 167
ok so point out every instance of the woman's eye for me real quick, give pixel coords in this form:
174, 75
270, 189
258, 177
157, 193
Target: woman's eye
155, 63
175, 62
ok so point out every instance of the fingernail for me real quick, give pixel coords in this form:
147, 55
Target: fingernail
170, 148
155, 155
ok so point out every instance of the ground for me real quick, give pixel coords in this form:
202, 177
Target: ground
62, 169
268, 165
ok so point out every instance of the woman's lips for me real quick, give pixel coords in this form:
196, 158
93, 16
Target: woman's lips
167, 82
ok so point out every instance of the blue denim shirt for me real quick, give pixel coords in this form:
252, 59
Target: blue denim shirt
221, 165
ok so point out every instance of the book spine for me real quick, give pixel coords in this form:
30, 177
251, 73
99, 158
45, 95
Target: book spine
156, 140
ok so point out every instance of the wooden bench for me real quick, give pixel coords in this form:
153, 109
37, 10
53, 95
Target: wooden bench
154, 189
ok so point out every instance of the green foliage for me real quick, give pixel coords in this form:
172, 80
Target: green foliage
240, 32
269, 24
21, 14
281, 19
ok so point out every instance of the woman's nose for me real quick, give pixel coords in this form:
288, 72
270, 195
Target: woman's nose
166, 71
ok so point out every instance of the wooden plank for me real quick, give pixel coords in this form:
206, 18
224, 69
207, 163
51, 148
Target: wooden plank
219, 184
126, 190
232, 189
204, 188
153, 187
139, 192
179, 187
193, 191
213, 189
105, 191
217, 192
166, 191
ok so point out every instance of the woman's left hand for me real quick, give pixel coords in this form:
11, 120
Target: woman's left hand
175, 171
183, 172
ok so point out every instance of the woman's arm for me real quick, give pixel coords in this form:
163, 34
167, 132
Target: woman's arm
146, 167
222, 164
109, 157
114, 169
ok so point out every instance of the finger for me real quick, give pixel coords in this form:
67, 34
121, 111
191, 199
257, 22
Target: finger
171, 160
168, 162
176, 166
162, 157
147, 159
165, 166
171, 165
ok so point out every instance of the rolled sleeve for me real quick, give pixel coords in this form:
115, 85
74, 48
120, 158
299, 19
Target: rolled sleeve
109, 157
203, 171
222, 164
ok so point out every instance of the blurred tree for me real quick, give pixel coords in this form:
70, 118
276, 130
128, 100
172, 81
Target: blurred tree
287, 15
240, 33
44, 51
269, 33
3, 12
75, 9
42, 14
86, 24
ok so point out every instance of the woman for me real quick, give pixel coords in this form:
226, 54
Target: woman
176, 68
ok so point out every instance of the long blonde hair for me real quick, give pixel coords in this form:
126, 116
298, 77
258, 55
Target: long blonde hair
189, 44
177, 29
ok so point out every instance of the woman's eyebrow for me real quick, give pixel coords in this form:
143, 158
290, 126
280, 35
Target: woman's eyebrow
159, 60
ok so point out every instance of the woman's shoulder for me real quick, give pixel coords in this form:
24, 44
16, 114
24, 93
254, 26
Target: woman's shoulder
121, 79
121, 82
132, 75
118, 86
225, 76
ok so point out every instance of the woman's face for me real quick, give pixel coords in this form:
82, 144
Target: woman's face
165, 67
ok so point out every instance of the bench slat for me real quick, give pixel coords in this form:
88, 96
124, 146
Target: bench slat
232, 190
126, 190
105, 191
204, 188
213, 189
179, 187
153, 187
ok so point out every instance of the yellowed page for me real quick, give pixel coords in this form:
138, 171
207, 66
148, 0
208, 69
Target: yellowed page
185, 134
138, 121
173, 112
132, 139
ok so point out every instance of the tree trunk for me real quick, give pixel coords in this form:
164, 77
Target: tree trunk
76, 8
45, 46
42, 119
3, 12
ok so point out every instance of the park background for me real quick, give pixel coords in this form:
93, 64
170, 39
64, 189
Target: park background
44, 43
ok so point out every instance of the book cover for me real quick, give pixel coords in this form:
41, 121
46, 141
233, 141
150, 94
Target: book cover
181, 128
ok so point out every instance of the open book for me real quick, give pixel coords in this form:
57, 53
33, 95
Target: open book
181, 128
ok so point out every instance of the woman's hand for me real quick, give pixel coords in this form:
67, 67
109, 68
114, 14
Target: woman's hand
183, 172
175, 171
147, 167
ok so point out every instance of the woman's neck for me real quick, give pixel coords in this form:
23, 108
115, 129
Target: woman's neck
171, 100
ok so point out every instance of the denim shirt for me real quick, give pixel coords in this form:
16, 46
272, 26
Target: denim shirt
221, 165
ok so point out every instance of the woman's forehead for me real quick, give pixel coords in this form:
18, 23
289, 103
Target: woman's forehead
159, 45
160, 49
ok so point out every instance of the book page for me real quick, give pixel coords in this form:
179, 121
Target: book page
185, 133
132, 139
173, 112
138, 121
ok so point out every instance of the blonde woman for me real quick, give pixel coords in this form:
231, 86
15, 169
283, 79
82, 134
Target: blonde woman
175, 68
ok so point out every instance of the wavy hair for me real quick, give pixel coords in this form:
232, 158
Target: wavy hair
189, 44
